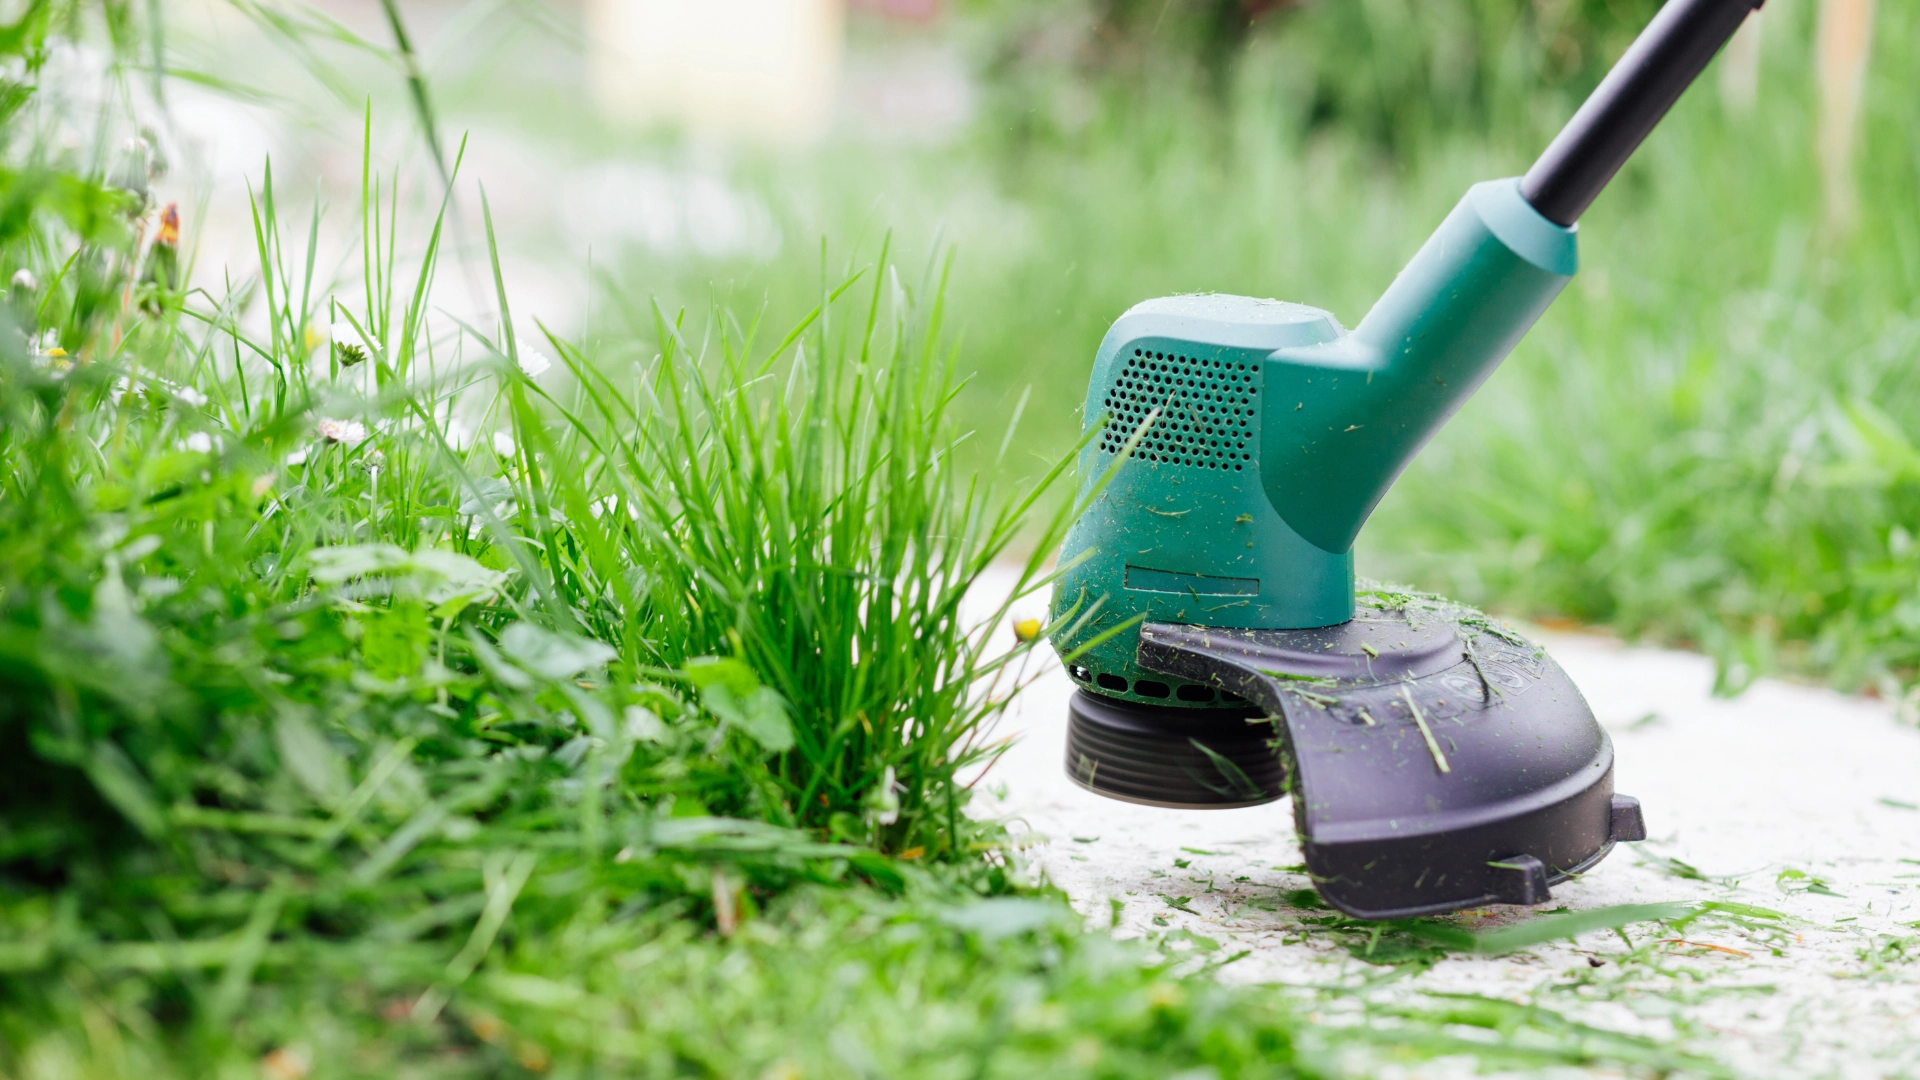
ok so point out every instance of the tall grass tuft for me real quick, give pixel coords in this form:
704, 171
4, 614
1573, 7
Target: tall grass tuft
332, 662
799, 509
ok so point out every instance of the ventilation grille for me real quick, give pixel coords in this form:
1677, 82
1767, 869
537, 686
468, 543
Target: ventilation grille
1206, 410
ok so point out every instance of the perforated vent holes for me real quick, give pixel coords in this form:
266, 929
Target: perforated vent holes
1206, 410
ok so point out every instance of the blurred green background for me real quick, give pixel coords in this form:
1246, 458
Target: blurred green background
1706, 441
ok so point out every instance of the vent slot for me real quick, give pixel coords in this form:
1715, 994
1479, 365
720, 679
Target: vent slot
1206, 410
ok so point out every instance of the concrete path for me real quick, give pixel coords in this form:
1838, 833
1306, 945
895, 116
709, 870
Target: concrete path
1740, 797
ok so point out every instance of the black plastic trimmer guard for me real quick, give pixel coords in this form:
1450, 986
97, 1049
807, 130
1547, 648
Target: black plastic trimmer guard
1436, 761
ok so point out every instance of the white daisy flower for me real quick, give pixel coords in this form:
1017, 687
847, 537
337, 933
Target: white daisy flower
189, 396
459, 434
503, 444
533, 364
52, 358
348, 432
23, 279
608, 504
297, 458
343, 333
199, 442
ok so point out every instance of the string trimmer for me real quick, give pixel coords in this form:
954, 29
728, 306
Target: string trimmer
1436, 759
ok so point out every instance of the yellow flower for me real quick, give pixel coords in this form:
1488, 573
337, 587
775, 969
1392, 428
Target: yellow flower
169, 234
1165, 995
1026, 629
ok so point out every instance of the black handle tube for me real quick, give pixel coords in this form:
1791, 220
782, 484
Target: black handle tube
1660, 64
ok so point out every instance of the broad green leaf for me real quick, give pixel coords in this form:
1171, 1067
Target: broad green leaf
761, 713
883, 799
118, 780
485, 493
551, 655
708, 671
339, 565
644, 725
1006, 916
312, 760
447, 580
117, 625
452, 581
395, 640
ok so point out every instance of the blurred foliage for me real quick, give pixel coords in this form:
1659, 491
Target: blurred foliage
1404, 72
1400, 73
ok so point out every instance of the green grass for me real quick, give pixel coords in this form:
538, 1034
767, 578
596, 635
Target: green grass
631, 749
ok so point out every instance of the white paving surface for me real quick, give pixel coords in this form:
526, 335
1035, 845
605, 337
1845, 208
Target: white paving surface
1783, 778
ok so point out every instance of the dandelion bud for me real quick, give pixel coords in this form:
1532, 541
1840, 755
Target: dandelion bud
169, 234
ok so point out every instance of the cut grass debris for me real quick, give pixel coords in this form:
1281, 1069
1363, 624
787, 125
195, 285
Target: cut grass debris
1417, 944
1799, 881
1682, 869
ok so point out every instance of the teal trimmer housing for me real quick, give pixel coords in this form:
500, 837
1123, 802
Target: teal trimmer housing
1235, 448
1263, 434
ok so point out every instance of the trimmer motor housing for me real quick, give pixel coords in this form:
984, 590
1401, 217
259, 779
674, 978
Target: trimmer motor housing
1258, 436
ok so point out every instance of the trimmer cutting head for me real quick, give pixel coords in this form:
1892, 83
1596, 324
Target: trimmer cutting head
1437, 759
1207, 601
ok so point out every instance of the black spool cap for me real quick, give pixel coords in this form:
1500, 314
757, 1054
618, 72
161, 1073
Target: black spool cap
1187, 759
1436, 761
